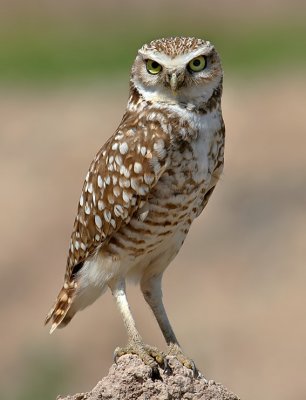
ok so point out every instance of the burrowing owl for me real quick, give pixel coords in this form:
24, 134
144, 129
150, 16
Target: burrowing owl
146, 185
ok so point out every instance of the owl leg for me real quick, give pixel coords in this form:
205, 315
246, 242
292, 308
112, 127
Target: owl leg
149, 355
152, 292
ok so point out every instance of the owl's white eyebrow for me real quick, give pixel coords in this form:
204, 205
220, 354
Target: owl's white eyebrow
181, 59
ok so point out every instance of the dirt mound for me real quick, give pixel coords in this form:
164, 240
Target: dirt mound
130, 379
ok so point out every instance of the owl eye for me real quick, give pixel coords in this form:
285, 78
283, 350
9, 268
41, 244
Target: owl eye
197, 64
153, 67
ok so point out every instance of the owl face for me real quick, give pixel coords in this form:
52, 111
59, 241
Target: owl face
177, 69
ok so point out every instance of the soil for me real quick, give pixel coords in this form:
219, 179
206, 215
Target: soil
131, 379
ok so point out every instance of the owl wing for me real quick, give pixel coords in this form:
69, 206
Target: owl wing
119, 179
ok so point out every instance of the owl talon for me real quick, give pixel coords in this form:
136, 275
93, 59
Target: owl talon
117, 354
167, 368
155, 374
151, 356
196, 373
176, 351
158, 355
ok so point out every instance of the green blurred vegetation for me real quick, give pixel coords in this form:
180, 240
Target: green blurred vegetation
49, 54
44, 376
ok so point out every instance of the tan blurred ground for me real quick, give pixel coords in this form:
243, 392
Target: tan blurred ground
236, 292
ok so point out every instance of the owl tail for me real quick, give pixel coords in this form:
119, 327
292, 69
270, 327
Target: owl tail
58, 313
70, 300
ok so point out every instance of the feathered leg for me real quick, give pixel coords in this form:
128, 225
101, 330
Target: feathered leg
150, 355
152, 292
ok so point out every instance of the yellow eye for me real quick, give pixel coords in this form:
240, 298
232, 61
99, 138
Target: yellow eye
153, 67
197, 64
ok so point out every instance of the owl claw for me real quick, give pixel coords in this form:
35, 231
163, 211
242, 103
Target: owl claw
167, 368
196, 373
155, 374
175, 350
115, 356
151, 356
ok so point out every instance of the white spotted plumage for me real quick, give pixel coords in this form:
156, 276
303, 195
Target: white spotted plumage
148, 182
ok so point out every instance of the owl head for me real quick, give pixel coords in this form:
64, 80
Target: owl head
177, 69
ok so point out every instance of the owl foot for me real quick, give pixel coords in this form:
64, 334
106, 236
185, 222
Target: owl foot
176, 351
151, 356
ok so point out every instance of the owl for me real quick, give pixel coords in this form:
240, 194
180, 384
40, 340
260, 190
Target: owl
145, 187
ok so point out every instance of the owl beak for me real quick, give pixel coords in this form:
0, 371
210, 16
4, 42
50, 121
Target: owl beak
175, 80
173, 83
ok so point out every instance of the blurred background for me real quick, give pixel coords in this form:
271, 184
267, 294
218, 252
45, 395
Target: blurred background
236, 292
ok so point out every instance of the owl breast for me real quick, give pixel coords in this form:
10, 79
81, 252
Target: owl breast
159, 228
